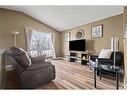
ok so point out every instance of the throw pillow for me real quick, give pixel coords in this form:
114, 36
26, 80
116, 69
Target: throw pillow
105, 53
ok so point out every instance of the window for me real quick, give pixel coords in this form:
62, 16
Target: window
41, 43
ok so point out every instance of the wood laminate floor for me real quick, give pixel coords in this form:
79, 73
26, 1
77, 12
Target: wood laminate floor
71, 75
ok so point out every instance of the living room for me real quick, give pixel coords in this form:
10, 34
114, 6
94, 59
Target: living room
58, 28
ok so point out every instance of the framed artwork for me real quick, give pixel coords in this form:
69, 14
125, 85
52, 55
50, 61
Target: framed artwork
66, 36
97, 31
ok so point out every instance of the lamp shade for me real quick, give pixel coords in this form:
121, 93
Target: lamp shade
15, 32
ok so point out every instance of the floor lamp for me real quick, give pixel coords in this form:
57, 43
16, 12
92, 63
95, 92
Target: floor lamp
15, 33
114, 48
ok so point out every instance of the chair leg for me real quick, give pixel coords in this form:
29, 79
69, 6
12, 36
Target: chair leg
100, 73
117, 80
94, 74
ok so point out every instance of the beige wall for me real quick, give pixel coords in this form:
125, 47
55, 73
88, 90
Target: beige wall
112, 26
125, 48
12, 20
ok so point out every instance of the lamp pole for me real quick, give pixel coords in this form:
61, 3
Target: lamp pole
114, 48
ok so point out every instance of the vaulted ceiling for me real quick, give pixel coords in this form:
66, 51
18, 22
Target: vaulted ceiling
66, 17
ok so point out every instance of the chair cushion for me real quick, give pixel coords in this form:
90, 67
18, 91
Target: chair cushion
20, 56
105, 53
16, 66
38, 59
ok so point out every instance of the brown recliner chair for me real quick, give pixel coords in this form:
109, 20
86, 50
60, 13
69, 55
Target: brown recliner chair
31, 73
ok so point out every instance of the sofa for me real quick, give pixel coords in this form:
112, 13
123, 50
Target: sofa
31, 72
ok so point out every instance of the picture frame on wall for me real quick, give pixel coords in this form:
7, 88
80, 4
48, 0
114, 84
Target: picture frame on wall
97, 31
66, 36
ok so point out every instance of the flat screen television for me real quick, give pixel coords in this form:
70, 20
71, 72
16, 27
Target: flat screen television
77, 45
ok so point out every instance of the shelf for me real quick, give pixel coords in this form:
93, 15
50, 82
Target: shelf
75, 57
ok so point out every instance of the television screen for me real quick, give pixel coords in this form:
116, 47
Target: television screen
77, 45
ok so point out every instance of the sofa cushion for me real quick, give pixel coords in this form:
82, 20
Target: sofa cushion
105, 53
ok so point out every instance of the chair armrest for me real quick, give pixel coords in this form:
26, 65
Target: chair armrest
38, 59
93, 57
36, 67
104, 61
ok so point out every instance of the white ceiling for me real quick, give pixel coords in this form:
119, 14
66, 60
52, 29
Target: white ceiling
66, 17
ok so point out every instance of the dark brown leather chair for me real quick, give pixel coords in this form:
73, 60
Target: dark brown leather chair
29, 75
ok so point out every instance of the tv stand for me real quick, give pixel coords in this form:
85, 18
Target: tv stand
83, 58
73, 57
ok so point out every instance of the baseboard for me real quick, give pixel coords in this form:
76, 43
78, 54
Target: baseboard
58, 58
